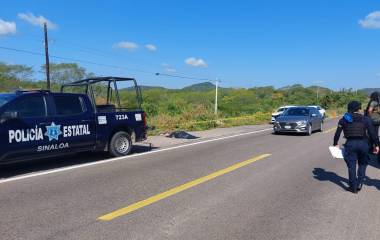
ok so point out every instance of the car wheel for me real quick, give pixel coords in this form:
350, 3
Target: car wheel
321, 128
309, 130
120, 144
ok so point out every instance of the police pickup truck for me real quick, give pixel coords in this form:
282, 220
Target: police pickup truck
40, 123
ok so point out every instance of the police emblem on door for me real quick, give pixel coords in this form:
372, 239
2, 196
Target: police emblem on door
53, 131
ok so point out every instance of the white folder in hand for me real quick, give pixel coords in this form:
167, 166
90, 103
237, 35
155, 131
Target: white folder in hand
336, 152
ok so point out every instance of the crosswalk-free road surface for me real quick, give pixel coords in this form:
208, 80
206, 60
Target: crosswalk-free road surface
250, 186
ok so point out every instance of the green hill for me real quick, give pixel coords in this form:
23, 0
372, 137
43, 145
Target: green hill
368, 91
206, 86
142, 87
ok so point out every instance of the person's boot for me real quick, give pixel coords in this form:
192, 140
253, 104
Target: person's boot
352, 189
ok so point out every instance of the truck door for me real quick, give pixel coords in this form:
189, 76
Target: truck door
23, 124
77, 122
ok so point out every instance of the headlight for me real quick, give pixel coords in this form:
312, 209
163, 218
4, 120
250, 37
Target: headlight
301, 123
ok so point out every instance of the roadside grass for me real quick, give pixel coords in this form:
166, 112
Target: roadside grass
166, 123
199, 121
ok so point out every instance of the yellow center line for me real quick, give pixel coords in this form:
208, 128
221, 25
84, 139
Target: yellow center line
133, 207
330, 130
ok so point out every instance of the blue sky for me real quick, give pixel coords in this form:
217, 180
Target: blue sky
244, 43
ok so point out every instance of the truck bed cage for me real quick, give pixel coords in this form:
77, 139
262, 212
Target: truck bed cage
99, 79
87, 83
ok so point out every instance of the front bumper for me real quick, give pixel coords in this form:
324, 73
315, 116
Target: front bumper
290, 127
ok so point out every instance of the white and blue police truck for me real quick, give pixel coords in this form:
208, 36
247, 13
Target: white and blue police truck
84, 116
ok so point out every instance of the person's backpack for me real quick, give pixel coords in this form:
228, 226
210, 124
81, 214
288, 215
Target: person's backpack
375, 115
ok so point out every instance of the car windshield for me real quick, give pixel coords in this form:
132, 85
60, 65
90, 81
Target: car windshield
281, 109
4, 98
297, 112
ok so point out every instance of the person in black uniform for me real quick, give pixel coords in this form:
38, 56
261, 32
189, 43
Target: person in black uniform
358, 130
373, 112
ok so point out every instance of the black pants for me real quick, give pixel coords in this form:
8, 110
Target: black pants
356, 150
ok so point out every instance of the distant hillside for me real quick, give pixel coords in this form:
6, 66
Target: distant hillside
368, 91
312, 88
321, 90
290, 87
142, 87
206, 86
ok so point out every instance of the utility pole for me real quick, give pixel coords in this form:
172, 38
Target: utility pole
216, 97
317, 83
47, 65
318, 95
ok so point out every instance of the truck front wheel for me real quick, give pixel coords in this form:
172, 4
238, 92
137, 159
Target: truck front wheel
120, 144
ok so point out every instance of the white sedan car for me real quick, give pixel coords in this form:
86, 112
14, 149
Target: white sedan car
320, 110
279, 111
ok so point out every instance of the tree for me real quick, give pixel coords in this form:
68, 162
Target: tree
16, 72
61, 73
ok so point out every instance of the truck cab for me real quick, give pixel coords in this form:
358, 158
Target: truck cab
39, 123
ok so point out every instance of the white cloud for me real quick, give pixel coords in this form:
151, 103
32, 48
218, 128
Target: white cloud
168, 68
172, 70
127, 45
194, 62
372, 20
151, 47
37, 20
7, 27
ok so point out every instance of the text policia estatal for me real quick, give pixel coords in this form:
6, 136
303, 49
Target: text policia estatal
52, 132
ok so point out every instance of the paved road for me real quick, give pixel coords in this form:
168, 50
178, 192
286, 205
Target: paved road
295, 193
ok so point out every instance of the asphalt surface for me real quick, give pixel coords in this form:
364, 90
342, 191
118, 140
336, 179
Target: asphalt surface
298, 192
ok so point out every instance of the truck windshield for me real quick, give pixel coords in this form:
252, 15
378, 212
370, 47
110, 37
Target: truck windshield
4, 98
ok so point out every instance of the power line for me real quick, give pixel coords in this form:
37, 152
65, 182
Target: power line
105, 65
184, 77
102, 53
76, 60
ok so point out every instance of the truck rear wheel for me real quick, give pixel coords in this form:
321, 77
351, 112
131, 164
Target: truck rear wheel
120, 144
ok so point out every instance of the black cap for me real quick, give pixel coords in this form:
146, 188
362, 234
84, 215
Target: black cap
354, 106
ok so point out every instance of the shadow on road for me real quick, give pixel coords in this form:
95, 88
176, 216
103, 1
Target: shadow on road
21, 168
297, 134
323, 175
373, 161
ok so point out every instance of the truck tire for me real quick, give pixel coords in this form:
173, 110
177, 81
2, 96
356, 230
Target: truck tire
120, 144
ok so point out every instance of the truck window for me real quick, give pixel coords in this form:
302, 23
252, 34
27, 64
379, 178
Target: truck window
69, 105
27, 107
5, 98
128, 96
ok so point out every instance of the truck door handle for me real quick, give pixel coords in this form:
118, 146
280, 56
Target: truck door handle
43, 123
86, 121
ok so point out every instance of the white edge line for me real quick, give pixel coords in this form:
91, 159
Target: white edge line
126, 157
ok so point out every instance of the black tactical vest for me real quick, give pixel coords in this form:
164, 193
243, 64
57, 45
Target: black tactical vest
355, 129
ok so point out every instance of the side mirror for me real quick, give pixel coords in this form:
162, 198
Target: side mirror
8, 116
313, 115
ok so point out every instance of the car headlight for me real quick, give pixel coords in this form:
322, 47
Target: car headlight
301, 123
